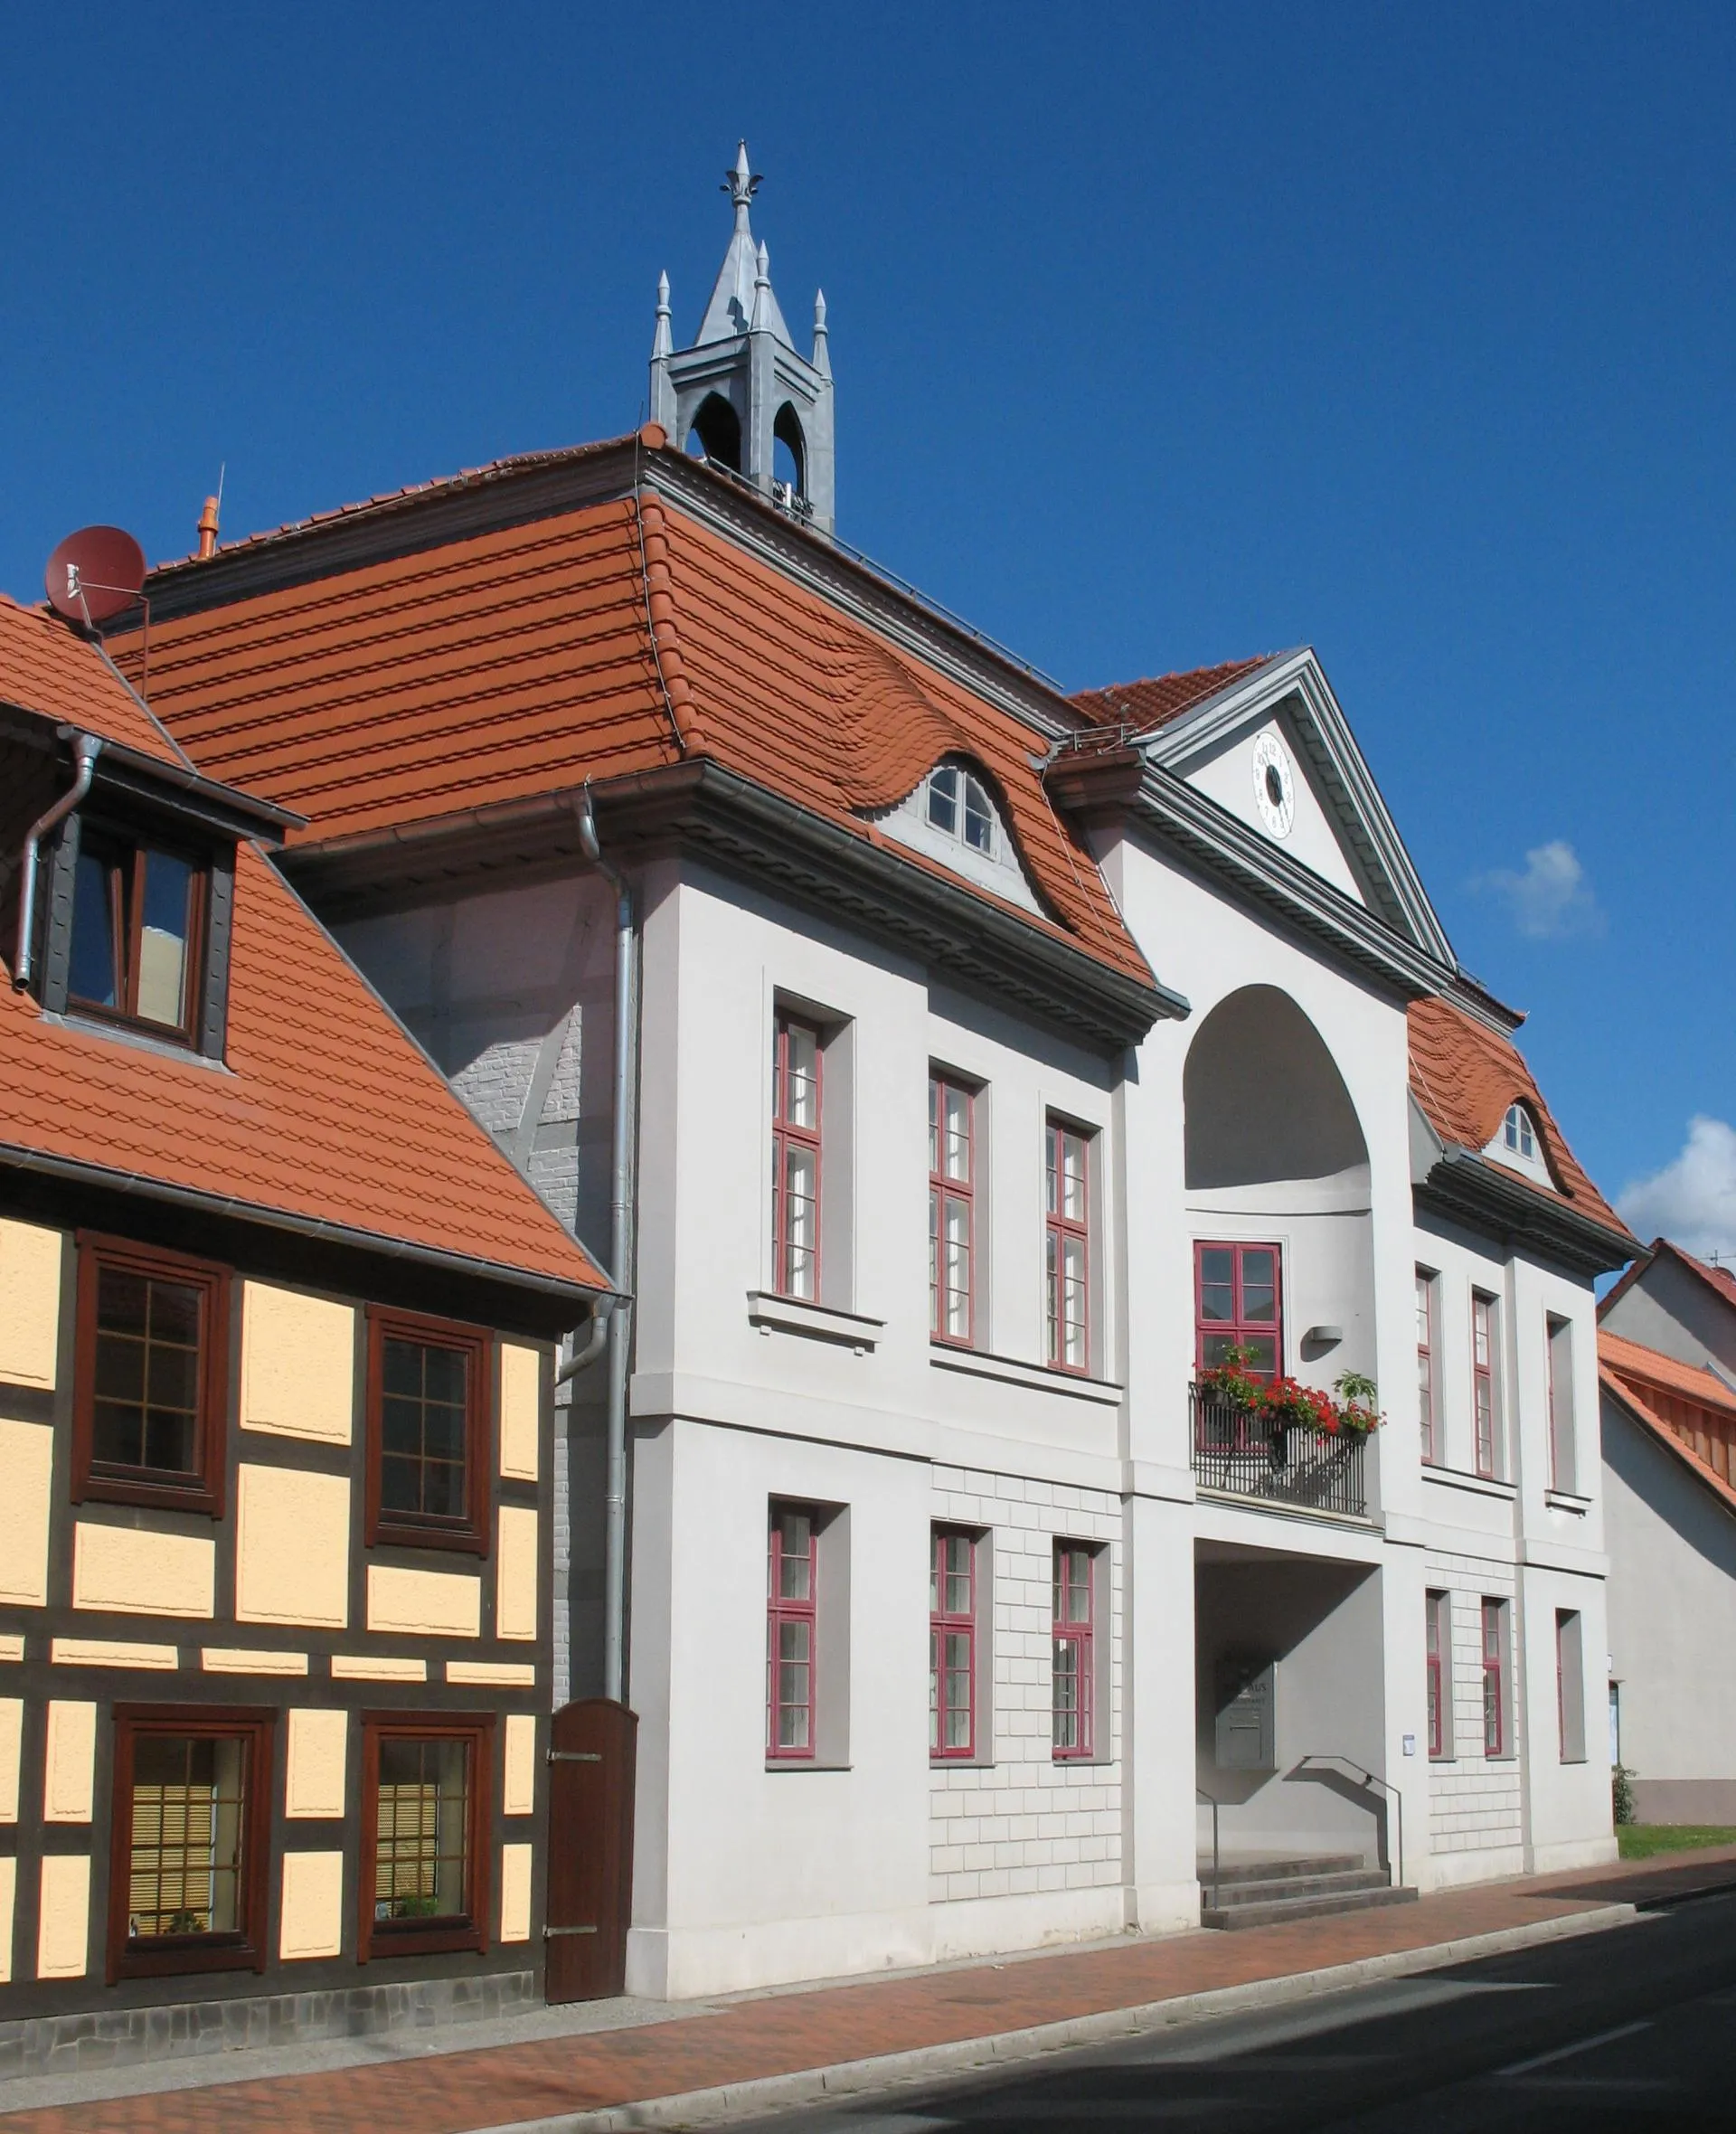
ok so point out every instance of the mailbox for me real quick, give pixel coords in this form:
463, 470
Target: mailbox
1247, 1733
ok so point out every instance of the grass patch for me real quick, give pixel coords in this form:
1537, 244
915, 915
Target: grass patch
1644, 1841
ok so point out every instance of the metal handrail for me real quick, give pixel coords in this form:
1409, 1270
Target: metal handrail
1368, 1778
1199, 1794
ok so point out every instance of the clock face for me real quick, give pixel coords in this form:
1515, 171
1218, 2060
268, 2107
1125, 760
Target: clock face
1274, 784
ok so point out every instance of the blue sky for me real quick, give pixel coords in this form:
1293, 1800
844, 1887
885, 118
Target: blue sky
1162, 335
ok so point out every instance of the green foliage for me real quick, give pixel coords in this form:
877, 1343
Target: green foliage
1644, 1841
1621, 1793
1285, 1403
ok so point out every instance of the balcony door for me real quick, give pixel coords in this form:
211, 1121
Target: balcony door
1238, 1303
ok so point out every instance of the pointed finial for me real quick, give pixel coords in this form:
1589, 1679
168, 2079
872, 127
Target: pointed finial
821, 351
665, 341
741, 184
762, 290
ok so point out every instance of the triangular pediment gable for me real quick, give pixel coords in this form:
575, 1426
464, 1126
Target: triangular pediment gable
1274, 748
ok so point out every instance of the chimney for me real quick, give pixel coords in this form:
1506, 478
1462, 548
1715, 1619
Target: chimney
208, 529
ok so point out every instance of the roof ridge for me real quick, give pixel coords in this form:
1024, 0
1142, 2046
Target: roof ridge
657, 582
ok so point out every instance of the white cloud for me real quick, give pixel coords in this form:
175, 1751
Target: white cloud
1551, 899
1692, 1200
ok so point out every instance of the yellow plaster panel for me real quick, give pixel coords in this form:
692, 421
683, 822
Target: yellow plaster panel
131, 1571
515, 1893
8, 1905
515, 1573
70, 1761
313, 1906
297, 1365
241, 1660
26, 1471
518, 1776
112, 1652
424, 1603
12, 1749
30, 1303
521, 1411
63, 1917
376, 1667
11, 1645
312, 1779
492, 1674
292, 1548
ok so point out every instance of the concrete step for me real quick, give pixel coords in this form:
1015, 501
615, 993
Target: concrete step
1278, 1909
1283, 1870
1275, 1890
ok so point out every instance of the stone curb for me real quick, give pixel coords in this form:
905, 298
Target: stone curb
887, 2071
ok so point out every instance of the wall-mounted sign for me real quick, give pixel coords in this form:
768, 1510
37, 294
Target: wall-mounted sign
1247, 1730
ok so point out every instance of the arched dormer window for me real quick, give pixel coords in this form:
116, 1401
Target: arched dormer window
1518, 1143
954, 816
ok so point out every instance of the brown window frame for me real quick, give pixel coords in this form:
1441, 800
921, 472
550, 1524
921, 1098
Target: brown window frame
127, 851
245, 1950
376, 1938
429, 1530
106, 1482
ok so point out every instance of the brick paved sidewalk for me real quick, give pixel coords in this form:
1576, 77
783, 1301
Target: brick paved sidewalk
785, 2034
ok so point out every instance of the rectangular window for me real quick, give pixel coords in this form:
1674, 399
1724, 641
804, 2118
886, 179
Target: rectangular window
952, 1218
1562, 1467
1075, 1657
1438, 1621
137, 918
796, 1158
1426, 1284
1485, 1414
1067, 1248
1494, 1678
189, 1841
952, 1644
424, 1866
429, 1431
792, 1600
1238, 1303
151, 1379
1570, 1685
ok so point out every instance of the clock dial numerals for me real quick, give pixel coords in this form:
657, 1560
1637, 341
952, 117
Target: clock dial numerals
1274, 784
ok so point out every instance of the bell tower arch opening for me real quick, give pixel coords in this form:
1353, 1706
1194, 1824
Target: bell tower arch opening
790, 455
717, 432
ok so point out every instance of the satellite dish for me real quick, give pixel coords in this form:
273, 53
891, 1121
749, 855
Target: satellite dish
95, 574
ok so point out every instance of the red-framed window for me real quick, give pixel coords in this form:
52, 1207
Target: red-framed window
952, 1644
792, 1625
1075, 1656
1238, 1303
952, 1216
1558, 1337
429, 1432
422, 1886
1483, 1396
1494, 1678
796, 1056
1067, 1246
1426, 1284
1438, 1633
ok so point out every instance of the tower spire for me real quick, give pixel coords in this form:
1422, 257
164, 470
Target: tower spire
664, 342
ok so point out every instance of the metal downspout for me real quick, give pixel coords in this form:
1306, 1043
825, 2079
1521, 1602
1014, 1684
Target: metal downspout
620, 1251
86, 749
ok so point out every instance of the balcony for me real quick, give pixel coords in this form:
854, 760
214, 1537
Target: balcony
1308, 1470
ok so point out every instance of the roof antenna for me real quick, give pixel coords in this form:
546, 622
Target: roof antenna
211, 517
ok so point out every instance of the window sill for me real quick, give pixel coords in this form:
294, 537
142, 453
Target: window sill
1462, 1478
818, 1322
1048, 1378
1568, 1501
782, 1763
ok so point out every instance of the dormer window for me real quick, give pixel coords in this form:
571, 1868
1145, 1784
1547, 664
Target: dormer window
959, 806
1518, 1144
1517, 1134
137, 923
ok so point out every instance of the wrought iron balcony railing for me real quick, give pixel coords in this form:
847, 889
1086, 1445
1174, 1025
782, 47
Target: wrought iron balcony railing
1314, 1470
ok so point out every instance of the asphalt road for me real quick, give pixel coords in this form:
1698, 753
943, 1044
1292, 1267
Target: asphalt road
1631, 2029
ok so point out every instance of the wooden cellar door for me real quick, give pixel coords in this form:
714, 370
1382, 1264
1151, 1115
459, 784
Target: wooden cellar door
590, 1848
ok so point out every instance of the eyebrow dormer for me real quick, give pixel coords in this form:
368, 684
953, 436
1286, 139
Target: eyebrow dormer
1518, 1143
955, 818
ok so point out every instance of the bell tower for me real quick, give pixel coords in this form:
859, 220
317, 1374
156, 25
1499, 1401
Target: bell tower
741, 392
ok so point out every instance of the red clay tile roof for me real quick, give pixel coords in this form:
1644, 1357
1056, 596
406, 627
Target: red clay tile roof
501, 665
1690, 1410
1143, 705
325, 1110
1465, 1075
